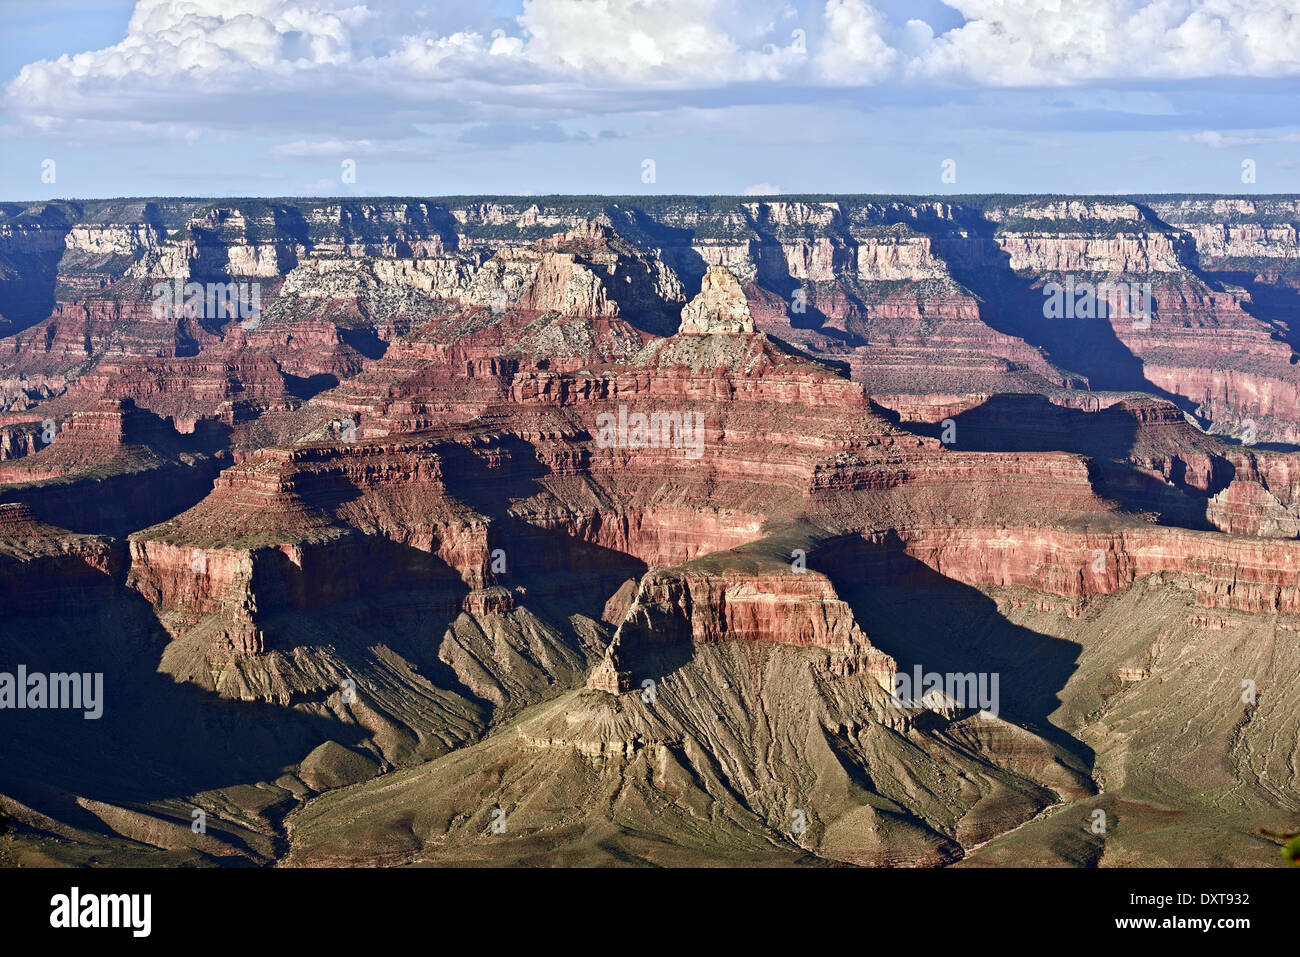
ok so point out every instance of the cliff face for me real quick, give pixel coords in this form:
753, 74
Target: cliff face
785, 607
45, 571
1227, 229
111, 468
913, 294
1244, 574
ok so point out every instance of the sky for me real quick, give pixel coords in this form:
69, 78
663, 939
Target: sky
105, 98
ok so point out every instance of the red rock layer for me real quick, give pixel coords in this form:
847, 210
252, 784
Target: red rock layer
1246, 574
784, 607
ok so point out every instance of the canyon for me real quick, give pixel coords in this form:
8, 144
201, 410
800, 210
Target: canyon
367, 575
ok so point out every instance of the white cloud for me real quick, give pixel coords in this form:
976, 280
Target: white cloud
763, 189
369, 68
659, 41
1027, 43
853, 48
204, 48
627, 40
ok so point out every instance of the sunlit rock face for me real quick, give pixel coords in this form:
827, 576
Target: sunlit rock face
720, 306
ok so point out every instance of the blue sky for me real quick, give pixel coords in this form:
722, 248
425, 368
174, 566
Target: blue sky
284, 97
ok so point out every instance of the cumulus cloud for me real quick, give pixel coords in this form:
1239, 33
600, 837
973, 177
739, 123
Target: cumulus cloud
629, 40
763, 189
1025, 43
371, 63
854, 50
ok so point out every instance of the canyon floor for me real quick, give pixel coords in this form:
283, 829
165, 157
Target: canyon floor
599, 531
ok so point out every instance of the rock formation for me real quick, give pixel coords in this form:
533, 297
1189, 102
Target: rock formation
720, 306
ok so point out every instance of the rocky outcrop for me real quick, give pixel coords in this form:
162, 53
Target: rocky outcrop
720, 306
113, 468
45, 570
1235, 230
1246, 574
1248, 508
785, 607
